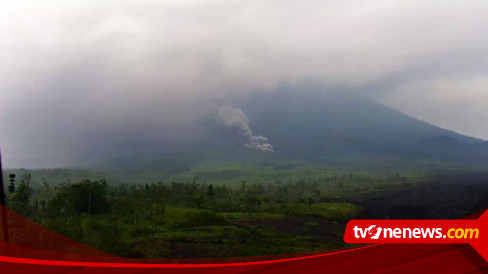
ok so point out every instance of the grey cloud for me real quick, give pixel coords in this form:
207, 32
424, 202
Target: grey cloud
78, 72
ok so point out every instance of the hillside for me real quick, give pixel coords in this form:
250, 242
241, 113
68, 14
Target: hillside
312, 128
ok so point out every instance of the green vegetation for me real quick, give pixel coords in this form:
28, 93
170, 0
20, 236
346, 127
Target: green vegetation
200, 219
332, 211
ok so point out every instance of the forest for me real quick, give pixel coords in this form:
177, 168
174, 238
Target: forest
199, 219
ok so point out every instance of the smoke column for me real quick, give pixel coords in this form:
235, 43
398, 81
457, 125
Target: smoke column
235, 118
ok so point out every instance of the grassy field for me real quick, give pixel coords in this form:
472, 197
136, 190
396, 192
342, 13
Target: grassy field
213, 211
196, 233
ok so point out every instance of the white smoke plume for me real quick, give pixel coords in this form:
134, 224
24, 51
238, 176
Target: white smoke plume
235, 118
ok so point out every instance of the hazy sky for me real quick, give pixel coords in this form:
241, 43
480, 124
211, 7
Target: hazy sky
72, 71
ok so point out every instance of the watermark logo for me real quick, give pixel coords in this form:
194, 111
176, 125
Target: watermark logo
373, 232
473, 232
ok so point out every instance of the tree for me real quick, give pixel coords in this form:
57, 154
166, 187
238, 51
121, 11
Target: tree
21, 196
82, 197
11, 186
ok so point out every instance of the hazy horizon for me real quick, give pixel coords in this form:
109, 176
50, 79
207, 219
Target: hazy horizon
80, 74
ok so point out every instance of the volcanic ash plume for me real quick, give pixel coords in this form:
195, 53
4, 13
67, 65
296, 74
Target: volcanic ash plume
235, 118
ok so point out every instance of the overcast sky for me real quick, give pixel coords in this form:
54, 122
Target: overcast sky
67, 65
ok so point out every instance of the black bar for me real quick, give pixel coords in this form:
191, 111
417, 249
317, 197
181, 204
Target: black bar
2, 190
3, 205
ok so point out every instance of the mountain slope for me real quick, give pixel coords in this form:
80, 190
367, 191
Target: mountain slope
321, 126
313, 127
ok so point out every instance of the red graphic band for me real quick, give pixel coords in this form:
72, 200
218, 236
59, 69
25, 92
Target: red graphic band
473, 232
